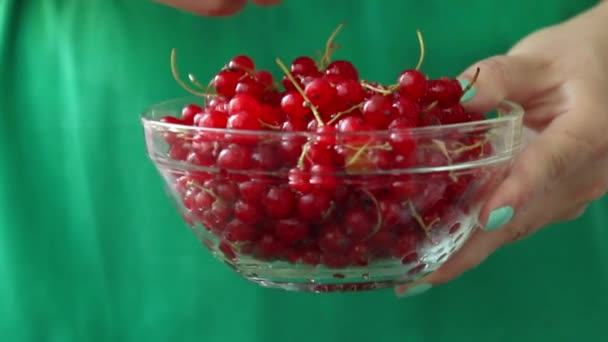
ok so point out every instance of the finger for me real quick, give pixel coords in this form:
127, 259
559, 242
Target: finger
560, 150
215, 8
572, 214
515, 78
475, 250
266, 2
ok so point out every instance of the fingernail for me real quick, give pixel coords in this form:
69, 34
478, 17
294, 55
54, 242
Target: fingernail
416, 290
469, 93
498, 218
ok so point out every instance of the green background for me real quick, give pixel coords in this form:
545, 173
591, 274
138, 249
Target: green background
91, 248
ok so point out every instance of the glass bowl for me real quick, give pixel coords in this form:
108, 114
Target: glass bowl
400, 204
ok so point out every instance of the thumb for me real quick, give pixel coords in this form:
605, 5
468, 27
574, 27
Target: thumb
512, 77
214, 8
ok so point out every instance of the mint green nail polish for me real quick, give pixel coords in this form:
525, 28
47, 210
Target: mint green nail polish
499, 218
416, 290
469, 94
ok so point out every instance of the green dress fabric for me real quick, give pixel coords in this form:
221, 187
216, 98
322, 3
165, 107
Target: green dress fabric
91, 248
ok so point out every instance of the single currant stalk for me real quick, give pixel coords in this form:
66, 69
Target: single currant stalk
339, 115
289, 75
203, 189
426, 227
330, 48
472, 83
178, 79
393, 87
194, 81
422, 50
269, 126
357, 155
379, 221
302, 157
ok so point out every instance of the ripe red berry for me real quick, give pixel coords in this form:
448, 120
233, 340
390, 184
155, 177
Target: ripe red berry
343, 69
244, 103
234, 157
299, 180
291, 231
378, 111
225, 82
237, 231
412, 84
350, 93
188, 113
294, 106
304, 66
320, 92
445, 91
171, 120
279, 203
313, 206
250, 86
241, 62
213, 119
245, 121
265, 78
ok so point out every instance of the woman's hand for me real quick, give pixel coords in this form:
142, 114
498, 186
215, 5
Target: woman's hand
560, 76
215, 8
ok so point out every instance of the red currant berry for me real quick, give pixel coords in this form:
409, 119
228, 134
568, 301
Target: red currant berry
291, 231
323, 177
314, 206
213, 119
241, 62
299, 180
250, 86
294, 106
444, 91
189, 112
245, 212
350, 92
234, 157
279, 203
244, 103
304, 66
237, 231
225, 82
265, 78
378, 111
253, 191
412, 84
244, 121
320, 92
343, 69
172, 120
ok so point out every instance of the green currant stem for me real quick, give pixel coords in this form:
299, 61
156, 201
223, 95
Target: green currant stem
376, 89
330, 48
183, 84
470, 85
340, 114
422, 50
315, 112
357, 155
426, 228
384, 147
194, 81
378, 225
267, 125
202, 188
305, 149
430, 107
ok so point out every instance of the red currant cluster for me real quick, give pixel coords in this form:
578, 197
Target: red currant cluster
311, 171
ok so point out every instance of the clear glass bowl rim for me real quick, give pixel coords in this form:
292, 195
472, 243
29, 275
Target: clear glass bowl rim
512, 116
